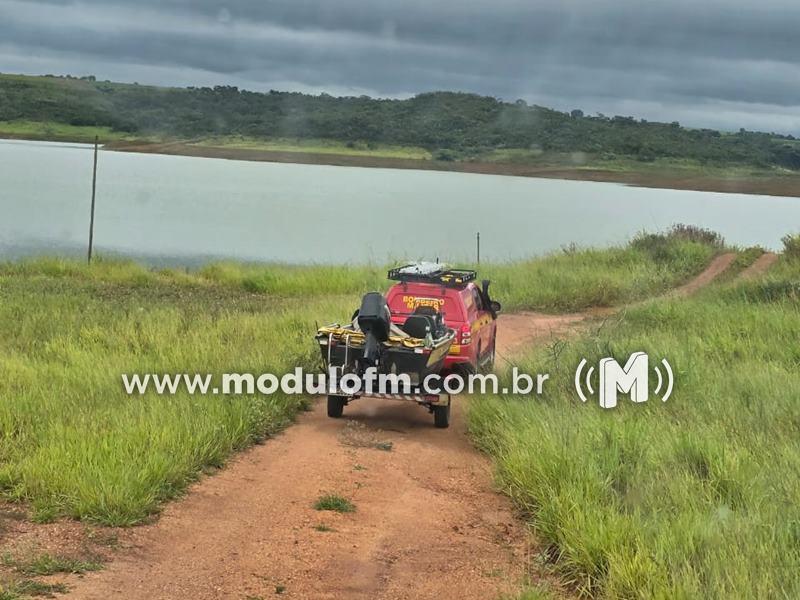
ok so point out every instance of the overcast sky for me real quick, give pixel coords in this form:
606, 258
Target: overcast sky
713, 63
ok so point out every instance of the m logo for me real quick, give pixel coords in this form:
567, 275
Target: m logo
633, 379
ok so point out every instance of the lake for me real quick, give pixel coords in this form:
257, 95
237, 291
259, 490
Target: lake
173, 209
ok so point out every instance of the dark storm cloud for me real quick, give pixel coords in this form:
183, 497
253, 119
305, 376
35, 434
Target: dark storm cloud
720, 64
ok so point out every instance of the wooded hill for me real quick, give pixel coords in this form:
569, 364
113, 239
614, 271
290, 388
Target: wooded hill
453, 126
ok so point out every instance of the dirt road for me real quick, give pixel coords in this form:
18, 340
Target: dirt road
427, 522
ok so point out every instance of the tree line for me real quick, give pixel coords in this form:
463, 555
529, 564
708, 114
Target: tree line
451, 125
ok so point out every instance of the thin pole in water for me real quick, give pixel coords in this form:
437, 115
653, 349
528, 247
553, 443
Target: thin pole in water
94, 192
478, 237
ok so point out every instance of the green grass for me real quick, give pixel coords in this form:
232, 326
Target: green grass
27, 588
564, 281
576, 279
679, 167
694, 498
74, 444
334, 503
265, 279
744, 258
298, 280
53, 131
316, 146
46, 564
538, 592
791, 246
569, 280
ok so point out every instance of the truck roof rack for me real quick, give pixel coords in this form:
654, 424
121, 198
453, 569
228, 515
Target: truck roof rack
432, 273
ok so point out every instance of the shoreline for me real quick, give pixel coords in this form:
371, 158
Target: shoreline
675, 179
767, 185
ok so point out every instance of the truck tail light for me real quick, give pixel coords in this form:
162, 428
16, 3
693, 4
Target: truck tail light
466, 334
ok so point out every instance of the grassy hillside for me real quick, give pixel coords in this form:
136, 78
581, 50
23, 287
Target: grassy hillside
694, 498
54, 131
576, 279
315, 146
446, 126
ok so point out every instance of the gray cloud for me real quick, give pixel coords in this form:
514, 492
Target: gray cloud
719, 63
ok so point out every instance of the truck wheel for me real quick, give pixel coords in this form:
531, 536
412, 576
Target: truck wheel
441, 416
336, 406
461, 371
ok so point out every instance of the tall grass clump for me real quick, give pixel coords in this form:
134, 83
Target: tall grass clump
791, 246
682, 232
697, 497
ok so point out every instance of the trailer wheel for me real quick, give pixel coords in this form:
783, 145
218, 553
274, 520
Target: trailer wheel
441, 416
336, 406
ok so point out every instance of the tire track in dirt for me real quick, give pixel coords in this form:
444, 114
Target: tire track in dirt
761, 265
711, 272
428, 523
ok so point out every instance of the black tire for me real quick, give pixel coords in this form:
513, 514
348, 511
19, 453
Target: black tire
336, 406
441, 416
462, 371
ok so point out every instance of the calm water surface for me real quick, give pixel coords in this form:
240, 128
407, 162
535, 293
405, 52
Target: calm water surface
183, 209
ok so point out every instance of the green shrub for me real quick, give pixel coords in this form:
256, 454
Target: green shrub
661, 245
791, 246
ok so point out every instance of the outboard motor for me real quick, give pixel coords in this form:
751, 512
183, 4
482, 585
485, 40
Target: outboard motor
374, 320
